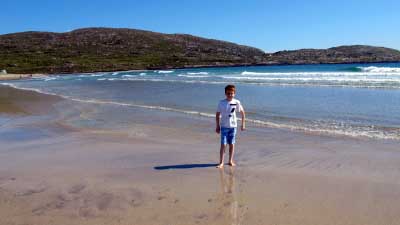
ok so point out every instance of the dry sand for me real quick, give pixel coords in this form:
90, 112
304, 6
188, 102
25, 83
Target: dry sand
154, 174
19, 76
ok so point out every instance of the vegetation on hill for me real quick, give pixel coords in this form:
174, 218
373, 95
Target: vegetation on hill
341, 54
112, 49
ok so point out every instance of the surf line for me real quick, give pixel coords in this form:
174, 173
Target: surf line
371, 134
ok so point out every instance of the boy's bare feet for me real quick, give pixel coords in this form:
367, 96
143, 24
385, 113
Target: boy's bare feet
221, 165
232, 163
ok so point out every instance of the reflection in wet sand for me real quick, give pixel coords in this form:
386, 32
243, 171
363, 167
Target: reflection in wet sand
229, 197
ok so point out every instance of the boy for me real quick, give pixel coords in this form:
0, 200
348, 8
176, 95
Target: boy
226, 123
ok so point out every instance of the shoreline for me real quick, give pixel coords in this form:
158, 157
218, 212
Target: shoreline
258, 124
33, 75
11, 76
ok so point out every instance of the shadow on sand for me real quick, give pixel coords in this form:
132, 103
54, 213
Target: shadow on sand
184, 166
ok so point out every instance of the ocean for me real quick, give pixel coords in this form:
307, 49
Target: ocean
353, 100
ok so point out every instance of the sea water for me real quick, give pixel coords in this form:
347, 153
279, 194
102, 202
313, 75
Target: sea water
357, 100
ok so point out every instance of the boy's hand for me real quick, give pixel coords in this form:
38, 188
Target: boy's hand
217, 129
243, 127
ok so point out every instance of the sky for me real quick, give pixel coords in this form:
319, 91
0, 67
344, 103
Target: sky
268, 25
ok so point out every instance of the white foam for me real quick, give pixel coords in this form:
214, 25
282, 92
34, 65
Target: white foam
172, 81
255, 82
319, 73
98, 75
128, 76
29, 89
351, 79
115, 73
165, 71
142, 74
320, 79
198, 73
375, 69
193, 76
368, 132
162, 108
10, 85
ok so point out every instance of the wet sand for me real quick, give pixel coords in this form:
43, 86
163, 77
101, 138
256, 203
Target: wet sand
14, 101
148, 173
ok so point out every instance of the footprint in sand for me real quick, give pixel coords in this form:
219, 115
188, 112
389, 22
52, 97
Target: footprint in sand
31, 191
59, 202
76, 189
6, 180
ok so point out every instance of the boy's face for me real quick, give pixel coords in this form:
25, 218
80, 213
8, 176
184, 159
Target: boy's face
230, 94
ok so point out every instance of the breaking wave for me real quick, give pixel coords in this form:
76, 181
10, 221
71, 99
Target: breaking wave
374, 69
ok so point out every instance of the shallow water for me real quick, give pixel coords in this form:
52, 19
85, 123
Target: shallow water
357, 100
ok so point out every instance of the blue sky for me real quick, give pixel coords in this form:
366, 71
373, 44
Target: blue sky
268, 25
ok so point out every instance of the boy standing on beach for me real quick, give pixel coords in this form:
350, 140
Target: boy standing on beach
227, 123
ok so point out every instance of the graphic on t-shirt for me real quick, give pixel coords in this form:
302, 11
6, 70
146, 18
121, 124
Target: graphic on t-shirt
228, 112
232, 110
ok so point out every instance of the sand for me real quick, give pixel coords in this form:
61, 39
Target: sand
19, 76
54, 173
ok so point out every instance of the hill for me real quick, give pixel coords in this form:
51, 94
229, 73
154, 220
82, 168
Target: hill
108, 49
341, 54
116, 49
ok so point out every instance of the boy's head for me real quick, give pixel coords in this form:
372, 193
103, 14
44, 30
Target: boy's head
230, 91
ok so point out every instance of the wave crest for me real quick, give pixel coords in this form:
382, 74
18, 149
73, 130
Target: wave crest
375, 69
198, 73
165, 71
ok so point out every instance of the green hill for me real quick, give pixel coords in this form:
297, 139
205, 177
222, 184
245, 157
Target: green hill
112, 49
108, 49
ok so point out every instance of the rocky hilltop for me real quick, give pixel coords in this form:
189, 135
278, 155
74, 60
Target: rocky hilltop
341, 54
112, 49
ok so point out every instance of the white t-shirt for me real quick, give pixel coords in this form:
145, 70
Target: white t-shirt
228, 112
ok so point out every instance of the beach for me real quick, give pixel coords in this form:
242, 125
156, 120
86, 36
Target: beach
64, 161
19, 76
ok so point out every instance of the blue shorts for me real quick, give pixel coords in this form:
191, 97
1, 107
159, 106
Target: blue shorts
228, 135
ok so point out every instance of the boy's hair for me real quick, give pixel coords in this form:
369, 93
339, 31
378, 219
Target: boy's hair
230, 87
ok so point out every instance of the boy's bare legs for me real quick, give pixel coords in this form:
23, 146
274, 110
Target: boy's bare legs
221, 156
231, 152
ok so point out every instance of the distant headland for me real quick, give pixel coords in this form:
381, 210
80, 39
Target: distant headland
117, 49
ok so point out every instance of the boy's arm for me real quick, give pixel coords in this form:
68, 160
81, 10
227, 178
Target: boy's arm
243, 119
217, 128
